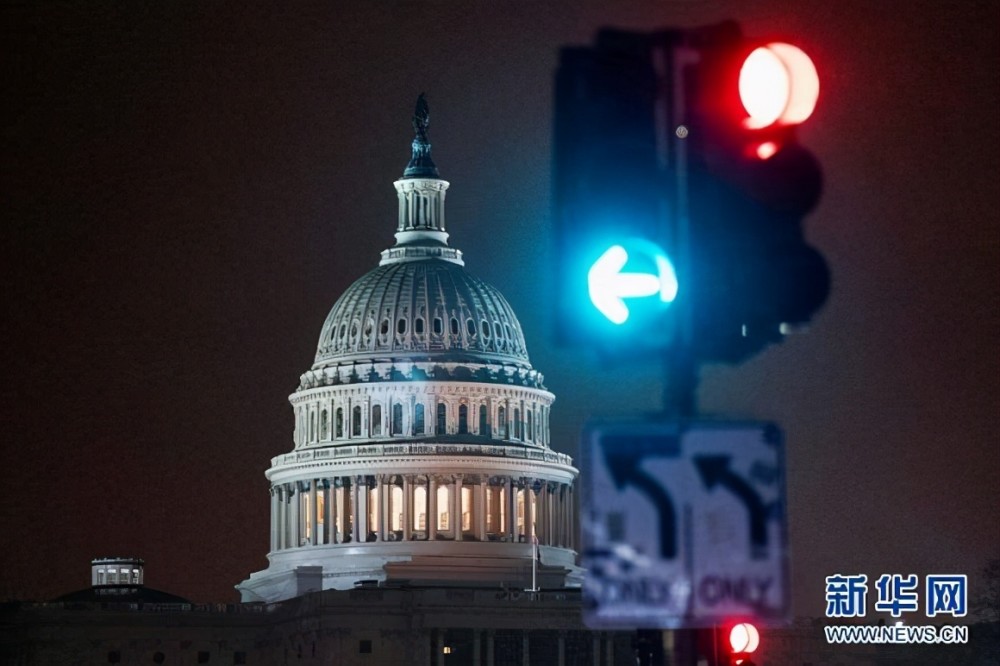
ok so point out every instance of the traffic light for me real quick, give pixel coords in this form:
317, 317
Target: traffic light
744, 639
615, 271
753, 276
679, 193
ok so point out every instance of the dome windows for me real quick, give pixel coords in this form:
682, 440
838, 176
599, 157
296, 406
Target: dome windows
470, 326
418, 325
454, 326
356, 422
441, 420
397, 419
484, 326
438, 326
418, 419
401, 326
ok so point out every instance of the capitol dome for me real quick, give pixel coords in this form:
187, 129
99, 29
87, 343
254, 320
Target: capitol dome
421, 449
426, 309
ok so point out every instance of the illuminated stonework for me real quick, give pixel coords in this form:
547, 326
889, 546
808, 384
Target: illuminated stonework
421, 444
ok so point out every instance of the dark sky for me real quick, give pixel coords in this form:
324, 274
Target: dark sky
186, 192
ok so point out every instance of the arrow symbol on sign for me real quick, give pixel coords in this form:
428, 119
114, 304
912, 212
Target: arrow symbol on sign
625, 471
715, 470
608, 286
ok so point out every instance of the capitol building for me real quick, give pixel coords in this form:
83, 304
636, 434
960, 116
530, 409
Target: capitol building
421, 448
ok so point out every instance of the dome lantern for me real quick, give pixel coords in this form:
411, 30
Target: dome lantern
420, 232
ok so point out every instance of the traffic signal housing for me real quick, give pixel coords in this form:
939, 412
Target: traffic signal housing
615, 273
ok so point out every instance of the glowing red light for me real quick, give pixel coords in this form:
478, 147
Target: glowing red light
778, 83
766, 150
744, 637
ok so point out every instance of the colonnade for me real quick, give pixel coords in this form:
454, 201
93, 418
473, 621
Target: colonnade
421, 507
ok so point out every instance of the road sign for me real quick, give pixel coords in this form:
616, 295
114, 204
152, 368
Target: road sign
683, 524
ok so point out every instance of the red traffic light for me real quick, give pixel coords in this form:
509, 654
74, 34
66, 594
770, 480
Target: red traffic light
743, 640
778, 85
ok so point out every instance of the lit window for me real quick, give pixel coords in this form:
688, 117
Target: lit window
442, 502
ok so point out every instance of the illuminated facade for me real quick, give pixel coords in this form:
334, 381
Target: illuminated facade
421, 443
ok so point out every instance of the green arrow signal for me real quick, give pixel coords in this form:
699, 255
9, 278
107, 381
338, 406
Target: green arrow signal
609, 286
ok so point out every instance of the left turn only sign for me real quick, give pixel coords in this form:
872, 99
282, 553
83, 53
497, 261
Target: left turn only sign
683, 524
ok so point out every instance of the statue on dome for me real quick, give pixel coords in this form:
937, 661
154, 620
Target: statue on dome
421, 118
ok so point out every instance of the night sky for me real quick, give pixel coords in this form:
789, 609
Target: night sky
186, 192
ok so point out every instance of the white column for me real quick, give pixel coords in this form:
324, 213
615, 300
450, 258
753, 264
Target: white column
274, 519
511, 527
479, 510
315, 511
331, 511
296, 517
407, 507
355, 512
529, 510
384, 508
543, 513
432, 500
457, 504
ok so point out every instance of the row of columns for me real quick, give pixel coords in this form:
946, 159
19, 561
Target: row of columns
339, 510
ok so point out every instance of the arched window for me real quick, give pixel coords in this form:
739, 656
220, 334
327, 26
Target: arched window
529, 433
463, 419
418, 419
484, 428
376, 420
397, 419
312, 427
517, 423
324, 424
502, 422
356, 422
440, 419
338, 422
